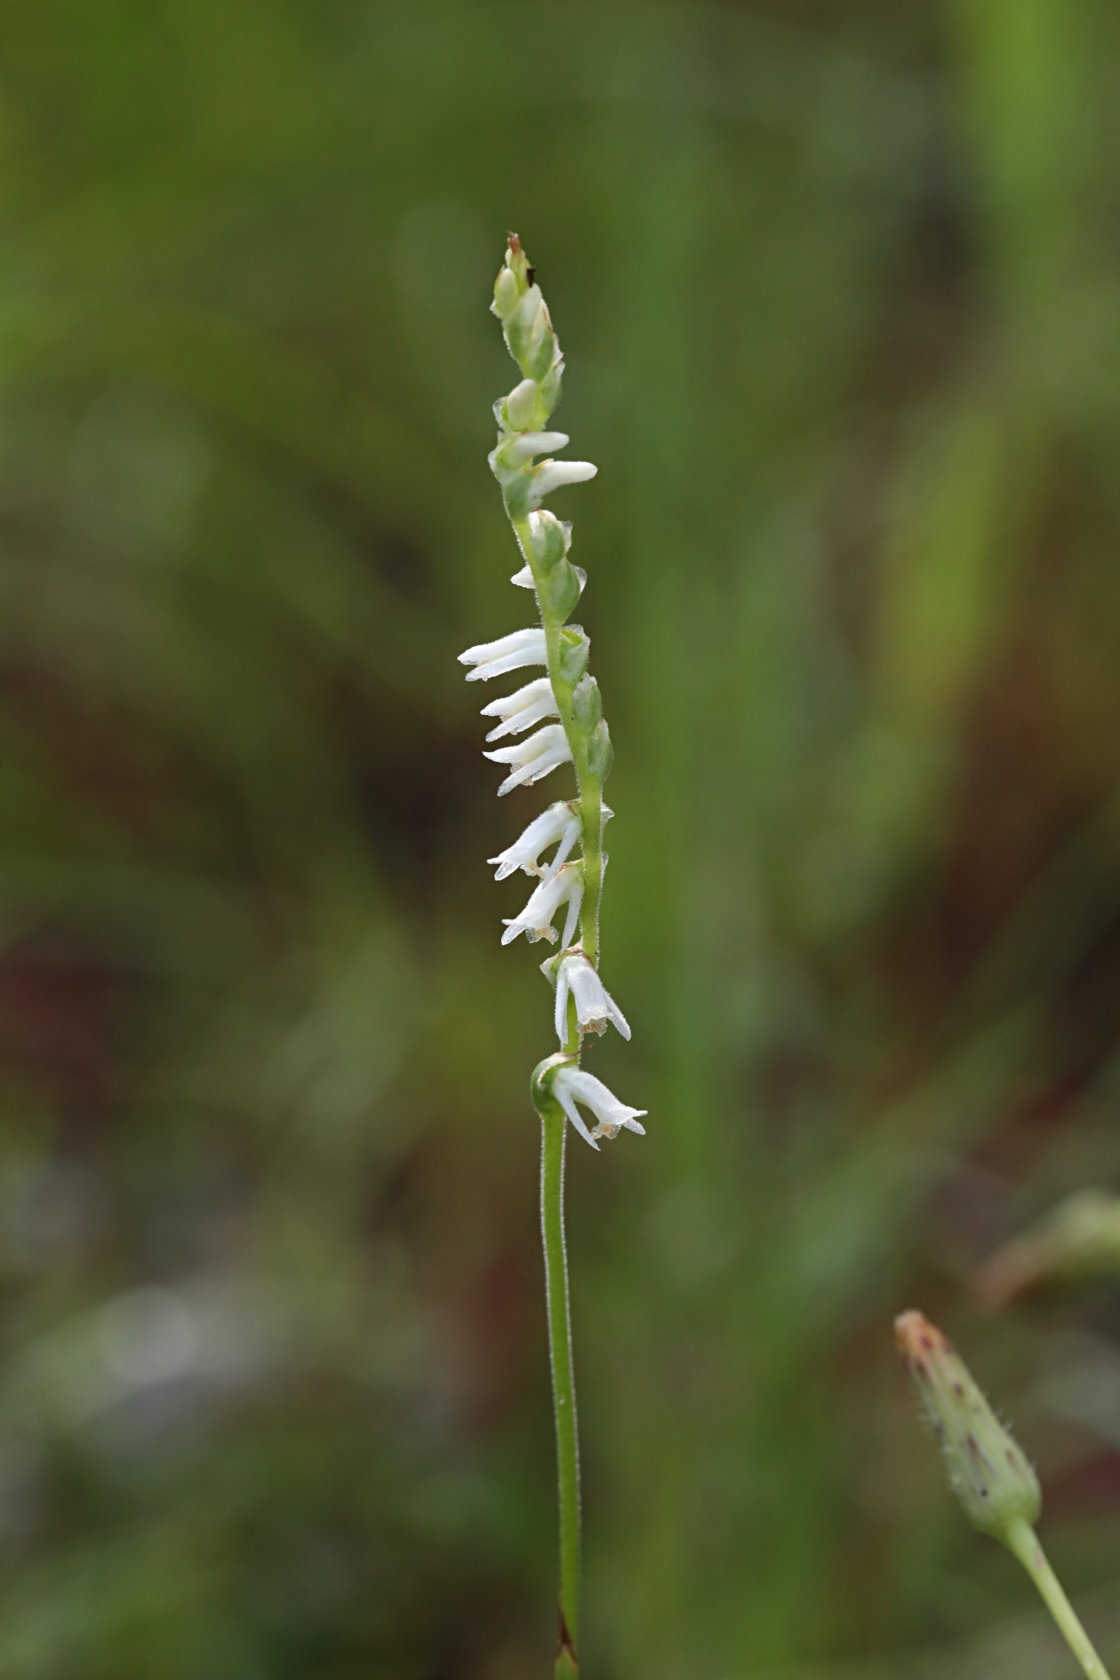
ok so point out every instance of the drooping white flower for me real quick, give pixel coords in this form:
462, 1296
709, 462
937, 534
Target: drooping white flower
518, 712
558, 823
564, 886
508, 653
571, 1085
534, 758
594, 1004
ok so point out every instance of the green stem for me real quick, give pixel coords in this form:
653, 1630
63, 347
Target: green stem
1025, 1546
553, 1129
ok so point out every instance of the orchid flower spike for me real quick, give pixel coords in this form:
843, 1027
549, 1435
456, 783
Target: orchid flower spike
556, 717
564, 710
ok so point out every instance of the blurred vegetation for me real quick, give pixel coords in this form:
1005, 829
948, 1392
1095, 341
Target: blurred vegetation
839, 286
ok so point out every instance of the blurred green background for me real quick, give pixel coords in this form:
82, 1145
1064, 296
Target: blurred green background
839, 289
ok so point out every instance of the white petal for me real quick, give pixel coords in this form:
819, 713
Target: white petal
594, 1004
520, 711
506, 704
508, 662
534, 758
520, 447
618, 1018
561, 1015
570, 1109
563, 851
535, 921
574, 903
483, 651
523, 579
508, 653
553, 475
585, 1088
552, 825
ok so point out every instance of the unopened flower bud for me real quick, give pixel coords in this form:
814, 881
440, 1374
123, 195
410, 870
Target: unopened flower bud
600, 752
552, 538
575, 651
542, 346
525, 327
519, 409
587, 703
560, 589
506, 294
987, 1469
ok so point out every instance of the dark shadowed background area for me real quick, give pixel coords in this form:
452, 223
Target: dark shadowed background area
839, 290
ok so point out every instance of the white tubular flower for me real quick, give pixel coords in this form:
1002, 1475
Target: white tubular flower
564, 886
594, 1004
560, 823
532, 759
553, 475
513, 450
508, 653
571, 1085
519, 712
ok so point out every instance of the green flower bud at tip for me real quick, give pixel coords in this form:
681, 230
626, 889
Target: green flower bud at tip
518, 263
987, 1469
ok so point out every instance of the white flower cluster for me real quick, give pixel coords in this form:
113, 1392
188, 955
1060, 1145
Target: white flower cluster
566, 694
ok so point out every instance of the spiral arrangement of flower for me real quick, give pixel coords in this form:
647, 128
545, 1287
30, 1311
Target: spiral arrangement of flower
564, 711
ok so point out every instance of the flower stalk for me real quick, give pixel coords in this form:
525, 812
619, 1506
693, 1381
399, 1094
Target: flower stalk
572, 878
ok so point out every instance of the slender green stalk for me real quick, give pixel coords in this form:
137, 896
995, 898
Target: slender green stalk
553, 1128
1022, 1541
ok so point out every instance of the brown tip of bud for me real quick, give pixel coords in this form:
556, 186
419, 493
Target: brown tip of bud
917, 1337
514, 242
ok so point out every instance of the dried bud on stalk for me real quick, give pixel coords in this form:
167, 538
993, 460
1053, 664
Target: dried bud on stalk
1079, 1239
987, 1469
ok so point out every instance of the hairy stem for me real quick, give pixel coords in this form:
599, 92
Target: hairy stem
553, 1129
1026, 1548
